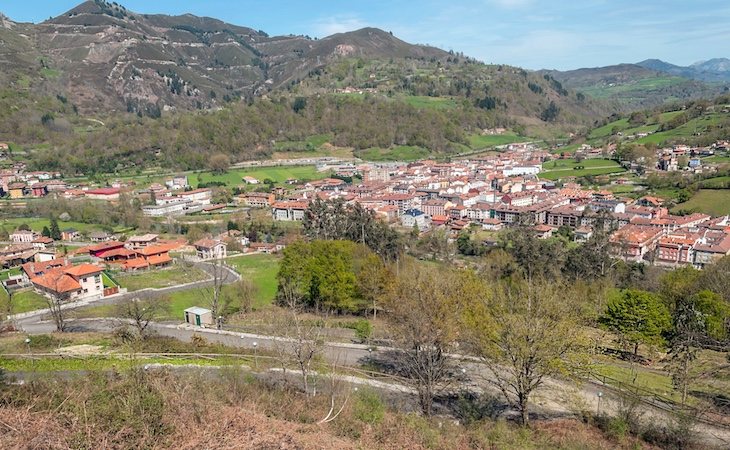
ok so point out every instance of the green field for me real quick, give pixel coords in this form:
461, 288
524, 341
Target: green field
566, 168
715, 202
279, 174
23, 301
160, 278
564, 164
689, 129
637, 88
261, 269
422, 102
478, 141
558, 174
717, 182
399, 153
37, 224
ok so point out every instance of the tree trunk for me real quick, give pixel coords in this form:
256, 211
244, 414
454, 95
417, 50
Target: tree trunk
636, 348
524, 411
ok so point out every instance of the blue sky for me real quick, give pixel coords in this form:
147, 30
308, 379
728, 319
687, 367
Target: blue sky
533, 34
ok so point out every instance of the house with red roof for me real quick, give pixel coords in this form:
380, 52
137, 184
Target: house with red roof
105, 194
70, 283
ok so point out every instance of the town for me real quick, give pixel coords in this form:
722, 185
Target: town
333, 238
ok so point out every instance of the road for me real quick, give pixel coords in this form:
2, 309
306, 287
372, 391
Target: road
555, 398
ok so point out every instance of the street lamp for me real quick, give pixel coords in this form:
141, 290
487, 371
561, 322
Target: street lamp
598, 408
220, 322
255, 355
27, 344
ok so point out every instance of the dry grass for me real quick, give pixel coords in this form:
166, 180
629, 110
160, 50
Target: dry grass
234, 411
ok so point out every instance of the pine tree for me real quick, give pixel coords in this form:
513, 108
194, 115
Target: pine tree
46, 232
55, 232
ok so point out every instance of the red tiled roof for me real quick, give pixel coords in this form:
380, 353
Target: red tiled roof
135, 263
157, 260
83, 270
104, 191
157, 249
56, 280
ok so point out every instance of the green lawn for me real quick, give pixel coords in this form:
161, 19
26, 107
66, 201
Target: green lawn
478, 141
262, 269
278, 174
37, 224
564, 164
423, 102
715, 202
5, 274
398, 153
23, 301
566, 168
160, 278
717, 182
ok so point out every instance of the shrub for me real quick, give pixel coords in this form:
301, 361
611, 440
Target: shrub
369, 407
363, 329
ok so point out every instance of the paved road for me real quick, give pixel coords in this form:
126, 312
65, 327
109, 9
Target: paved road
555, 397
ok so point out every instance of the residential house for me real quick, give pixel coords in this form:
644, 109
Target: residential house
145, 240
70, 234
289, 210
70, 283
100, 236
259, 199
635, 242
31, 270
415, 218
210, 249
17, 254
42, 242
104, 194
22, 236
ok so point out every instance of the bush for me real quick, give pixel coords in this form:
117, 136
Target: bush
363, 330
369, 408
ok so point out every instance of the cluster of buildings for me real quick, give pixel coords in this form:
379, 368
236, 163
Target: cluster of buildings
497, 191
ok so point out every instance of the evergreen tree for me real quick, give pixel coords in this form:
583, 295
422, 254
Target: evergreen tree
46, 232
55, 231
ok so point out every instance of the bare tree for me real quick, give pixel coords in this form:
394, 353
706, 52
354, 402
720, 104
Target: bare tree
142, 311
246, 291
55, 299
303, 341
423, 306
219, 276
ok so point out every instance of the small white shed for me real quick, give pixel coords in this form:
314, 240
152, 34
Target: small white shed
198, 316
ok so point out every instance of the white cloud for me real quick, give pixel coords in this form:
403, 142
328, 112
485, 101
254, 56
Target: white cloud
337, 24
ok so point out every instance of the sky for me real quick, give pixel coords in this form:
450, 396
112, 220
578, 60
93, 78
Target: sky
534, 34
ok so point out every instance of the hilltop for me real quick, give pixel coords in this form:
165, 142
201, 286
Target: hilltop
630, 87
103, 57
80, 86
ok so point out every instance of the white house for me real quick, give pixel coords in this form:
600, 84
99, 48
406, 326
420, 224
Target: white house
210, 249
415, 217
23, 236
71, 283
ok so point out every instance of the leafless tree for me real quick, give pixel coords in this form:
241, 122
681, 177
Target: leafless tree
303, 341
213, 292
423, 310
142, 311
55, 301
